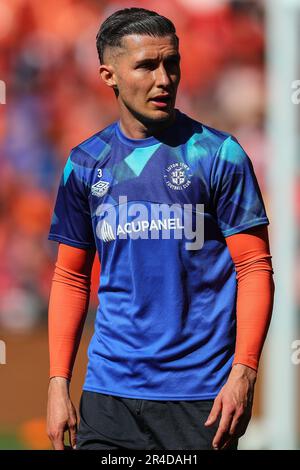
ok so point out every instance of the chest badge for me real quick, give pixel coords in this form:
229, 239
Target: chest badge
177, 176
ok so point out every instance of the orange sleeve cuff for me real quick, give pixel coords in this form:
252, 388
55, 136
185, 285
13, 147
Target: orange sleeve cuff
68, 307
250, 253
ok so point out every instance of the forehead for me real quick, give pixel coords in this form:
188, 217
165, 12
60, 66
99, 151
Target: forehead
140, 46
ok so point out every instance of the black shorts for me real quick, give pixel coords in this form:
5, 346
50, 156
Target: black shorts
112, 422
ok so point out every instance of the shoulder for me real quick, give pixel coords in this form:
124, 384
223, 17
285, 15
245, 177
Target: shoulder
207, 139
222, 145
93, 149
87, 154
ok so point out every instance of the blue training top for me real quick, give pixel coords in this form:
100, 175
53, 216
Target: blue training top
158, 211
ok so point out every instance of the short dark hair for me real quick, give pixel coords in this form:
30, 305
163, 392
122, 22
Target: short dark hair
132, 21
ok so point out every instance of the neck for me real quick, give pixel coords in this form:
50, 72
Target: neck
134, 128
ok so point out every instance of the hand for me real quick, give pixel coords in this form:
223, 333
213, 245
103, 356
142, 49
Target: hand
234, 402
61, 414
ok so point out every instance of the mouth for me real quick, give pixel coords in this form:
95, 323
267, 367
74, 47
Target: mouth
161, 101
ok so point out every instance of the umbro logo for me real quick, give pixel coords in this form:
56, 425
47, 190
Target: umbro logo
100, 188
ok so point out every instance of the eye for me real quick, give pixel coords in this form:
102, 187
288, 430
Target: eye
147, 65
173, 62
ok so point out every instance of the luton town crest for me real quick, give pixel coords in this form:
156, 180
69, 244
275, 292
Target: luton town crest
177, 176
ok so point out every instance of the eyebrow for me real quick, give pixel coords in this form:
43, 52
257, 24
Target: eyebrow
154, 59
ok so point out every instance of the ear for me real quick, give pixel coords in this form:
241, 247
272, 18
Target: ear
108, 75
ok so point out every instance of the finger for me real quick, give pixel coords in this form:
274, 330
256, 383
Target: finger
72, 435
214, 412
227, 443
58, 441
239, 424
222, 433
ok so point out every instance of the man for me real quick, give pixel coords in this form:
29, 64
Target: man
183, 313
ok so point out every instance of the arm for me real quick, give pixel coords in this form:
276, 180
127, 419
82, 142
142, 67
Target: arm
255, 293
68, 306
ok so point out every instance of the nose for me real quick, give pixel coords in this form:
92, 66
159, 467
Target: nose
161, 76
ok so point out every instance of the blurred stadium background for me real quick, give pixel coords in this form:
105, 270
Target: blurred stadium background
239, 59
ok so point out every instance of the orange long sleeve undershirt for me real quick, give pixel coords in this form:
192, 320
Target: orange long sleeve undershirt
250, 253
70, 292
68, 307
